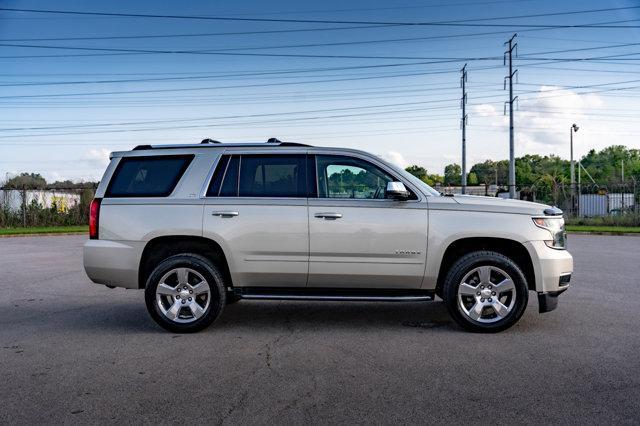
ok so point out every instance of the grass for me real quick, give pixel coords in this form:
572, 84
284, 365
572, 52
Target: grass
44, 230
604, 228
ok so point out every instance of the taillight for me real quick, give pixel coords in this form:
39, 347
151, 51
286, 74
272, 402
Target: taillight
94, 218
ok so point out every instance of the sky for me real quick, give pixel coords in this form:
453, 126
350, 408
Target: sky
74, 87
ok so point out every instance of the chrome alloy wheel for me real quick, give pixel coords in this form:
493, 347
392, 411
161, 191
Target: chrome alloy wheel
486, 294
183, 295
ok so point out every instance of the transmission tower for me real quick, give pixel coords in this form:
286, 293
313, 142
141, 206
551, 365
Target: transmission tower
463, 125
508, 57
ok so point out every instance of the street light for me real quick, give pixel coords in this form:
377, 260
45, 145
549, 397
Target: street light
574, 128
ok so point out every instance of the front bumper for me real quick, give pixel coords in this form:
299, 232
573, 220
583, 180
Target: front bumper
549, 266
552, 269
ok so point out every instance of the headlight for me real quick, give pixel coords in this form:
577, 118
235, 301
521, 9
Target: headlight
555, 225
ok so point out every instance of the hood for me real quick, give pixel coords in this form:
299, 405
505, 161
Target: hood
499, 205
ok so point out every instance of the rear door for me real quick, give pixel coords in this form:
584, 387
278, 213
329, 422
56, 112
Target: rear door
256, 208
358, 238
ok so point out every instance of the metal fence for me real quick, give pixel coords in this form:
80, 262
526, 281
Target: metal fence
44, 207
617, 202
589, 201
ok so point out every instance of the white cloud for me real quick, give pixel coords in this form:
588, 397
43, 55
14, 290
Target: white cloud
485, 110
543, 122
396, 158
98, 157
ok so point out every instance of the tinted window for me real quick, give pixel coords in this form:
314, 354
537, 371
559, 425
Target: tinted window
347, 177
230, 185
218, 175
147, 176
273, 176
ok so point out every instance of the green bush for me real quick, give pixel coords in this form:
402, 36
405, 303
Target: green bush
36, 215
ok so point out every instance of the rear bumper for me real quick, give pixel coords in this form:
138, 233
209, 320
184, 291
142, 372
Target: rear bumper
113, 263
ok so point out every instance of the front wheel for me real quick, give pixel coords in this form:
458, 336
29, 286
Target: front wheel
185, 293
485, 291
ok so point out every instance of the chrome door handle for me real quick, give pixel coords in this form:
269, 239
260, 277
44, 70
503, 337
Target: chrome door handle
225, 214
328, 216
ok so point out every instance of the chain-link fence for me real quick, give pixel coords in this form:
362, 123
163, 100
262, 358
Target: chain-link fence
44, 207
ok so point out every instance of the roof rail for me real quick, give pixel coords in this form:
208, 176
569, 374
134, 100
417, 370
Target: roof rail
293, 144
279, 142
212, 143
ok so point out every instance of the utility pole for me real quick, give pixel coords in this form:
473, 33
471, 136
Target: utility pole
574, 128
463, 124
579, 187
512, 73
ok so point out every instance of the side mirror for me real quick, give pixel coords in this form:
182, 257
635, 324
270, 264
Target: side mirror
396, 191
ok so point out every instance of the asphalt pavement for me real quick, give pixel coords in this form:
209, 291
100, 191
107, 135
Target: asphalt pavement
76, 352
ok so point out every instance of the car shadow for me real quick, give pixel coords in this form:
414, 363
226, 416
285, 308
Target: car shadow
313, 316
256, 316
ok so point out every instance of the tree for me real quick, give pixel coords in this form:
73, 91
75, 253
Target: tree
418, 171
26, 181
422, 174
472, 179
489, 172
452, 174
606, 166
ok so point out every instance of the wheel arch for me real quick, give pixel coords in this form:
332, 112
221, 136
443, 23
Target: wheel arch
512, 249
160, 248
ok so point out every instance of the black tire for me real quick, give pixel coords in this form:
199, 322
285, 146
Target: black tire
468, 263
209, 271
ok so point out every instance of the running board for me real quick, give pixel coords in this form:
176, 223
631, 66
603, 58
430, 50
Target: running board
318, 294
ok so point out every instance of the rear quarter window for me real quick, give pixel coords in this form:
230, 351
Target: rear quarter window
147, 176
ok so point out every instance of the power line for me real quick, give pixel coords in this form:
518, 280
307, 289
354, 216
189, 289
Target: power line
153, 36
600, 24
271, 114
232, 52
283, 71
582, 49
224, 124
463, 22
294, 118
474, 3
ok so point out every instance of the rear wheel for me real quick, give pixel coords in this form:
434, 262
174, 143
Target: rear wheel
485, 292
185, 293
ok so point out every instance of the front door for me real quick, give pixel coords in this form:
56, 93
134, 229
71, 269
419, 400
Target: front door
256, 207
358, 238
